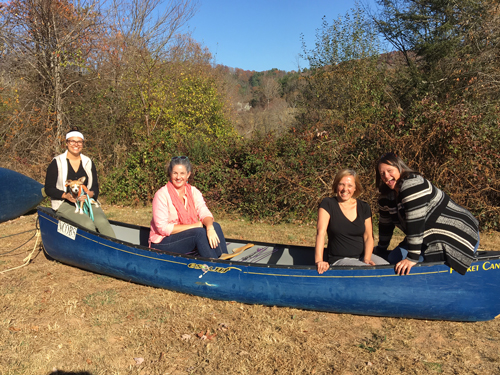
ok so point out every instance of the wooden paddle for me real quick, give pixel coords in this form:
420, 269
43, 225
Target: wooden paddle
236, 251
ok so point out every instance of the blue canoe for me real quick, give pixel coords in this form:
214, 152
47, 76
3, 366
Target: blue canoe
281, 275
18, 194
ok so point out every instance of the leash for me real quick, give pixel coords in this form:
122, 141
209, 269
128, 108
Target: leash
87, 205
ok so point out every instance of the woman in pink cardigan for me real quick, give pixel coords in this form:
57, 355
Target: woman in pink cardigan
181, 220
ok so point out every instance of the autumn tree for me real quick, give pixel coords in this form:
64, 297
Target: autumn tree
148, 29
290, 87
47, 43
192, 117
344, 84
270, 88
447, 45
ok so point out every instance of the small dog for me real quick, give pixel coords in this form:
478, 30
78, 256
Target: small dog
77, 189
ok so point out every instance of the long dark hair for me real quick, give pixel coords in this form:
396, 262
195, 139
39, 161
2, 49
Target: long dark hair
393, 160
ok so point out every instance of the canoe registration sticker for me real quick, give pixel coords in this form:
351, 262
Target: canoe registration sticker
66, 229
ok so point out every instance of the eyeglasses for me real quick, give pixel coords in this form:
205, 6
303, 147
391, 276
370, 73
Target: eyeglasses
180, 157
71, 142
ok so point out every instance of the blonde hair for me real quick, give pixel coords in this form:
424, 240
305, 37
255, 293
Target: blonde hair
347, 172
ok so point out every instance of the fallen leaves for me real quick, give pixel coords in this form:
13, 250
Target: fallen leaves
138, 361
206, 335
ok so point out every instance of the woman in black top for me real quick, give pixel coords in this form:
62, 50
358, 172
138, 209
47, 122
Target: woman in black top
348, 223
72, 165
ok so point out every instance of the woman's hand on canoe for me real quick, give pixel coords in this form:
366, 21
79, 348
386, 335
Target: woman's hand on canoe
404, 266
369, 261
322, 267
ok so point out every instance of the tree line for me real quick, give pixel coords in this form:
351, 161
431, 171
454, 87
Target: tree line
264, 144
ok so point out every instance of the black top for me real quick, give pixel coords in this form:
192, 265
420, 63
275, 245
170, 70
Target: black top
51, 179
345, 238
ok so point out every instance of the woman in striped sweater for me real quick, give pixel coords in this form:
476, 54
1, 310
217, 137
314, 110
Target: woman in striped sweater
435, 226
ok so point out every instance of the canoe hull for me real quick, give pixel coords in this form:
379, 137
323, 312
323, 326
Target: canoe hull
429, 292
18, 194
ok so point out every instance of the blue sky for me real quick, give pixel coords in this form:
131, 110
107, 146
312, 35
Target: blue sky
260, 35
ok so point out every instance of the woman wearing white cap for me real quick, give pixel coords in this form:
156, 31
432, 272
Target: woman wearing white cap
72, 165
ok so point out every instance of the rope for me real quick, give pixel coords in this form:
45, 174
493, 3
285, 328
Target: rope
26, 260
15, 234
11, 251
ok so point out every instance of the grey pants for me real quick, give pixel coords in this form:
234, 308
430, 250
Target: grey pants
359, 262
100, 223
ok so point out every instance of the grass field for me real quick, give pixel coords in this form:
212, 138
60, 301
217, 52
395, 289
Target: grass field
59, 318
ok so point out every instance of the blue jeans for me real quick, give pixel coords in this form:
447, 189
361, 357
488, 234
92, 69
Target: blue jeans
191, 239
398, 254
477, 244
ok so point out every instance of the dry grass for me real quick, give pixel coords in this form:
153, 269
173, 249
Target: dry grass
54, 316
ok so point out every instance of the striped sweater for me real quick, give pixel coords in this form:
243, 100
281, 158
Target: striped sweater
433, 223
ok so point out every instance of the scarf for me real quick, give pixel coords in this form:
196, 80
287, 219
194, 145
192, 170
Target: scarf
188, 216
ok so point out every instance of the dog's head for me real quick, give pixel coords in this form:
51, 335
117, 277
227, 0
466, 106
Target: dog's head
74, 185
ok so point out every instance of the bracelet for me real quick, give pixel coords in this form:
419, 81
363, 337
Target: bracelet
210, 229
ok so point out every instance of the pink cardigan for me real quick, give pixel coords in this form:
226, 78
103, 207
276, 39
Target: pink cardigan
165, 214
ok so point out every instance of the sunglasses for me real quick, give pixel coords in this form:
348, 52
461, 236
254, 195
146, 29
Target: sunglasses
180, 157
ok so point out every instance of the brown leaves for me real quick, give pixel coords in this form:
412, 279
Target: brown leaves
223, 327
206, 335
138, 361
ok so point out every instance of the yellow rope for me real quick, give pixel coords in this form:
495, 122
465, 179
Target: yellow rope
28, 258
